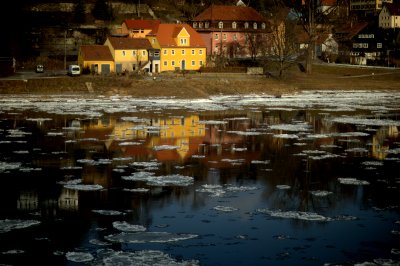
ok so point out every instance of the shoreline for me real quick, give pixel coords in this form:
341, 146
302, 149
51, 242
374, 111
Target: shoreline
196, 85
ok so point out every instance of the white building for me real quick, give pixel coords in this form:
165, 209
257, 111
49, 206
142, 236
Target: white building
389, 17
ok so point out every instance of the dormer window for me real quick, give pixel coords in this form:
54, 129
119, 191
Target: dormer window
263, 26
194, 25
234, 25
207, 24
255, 25
220, 25
246, 25
201, 25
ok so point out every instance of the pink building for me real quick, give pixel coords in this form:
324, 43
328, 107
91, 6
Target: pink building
232, 31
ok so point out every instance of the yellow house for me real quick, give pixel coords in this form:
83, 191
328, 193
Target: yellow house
130, 54
182, 48
96, 58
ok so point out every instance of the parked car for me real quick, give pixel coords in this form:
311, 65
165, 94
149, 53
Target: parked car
74, 70
39, 69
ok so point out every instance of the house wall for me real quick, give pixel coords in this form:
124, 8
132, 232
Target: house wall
92, 64
387, 21
173, 58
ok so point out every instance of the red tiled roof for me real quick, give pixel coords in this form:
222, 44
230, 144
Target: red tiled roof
167, 32
129, 43
148, 24
229, 13
328, 2
96, 53
351, 30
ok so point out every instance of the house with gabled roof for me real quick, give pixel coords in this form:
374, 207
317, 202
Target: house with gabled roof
129, 54
182, 48
139, 28
96, 58
389, 17
230, 30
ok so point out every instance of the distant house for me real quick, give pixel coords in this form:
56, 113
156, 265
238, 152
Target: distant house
96, 58
326, 47
232, 31
129, 54
389, 17
182, 48
365, 43
139, 28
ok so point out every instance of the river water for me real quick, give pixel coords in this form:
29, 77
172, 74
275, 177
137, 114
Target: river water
306, 179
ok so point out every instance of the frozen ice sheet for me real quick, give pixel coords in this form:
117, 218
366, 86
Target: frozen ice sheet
79, 256
352, 181
127, 227
308, 216
148, 237
8, 225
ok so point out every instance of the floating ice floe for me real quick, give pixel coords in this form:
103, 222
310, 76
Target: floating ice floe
138, 190
4, 166
166, 180
372, 163
285, 136
148, 237
366, 122
320, 193
147, 165
83, 187
246, 133
260, 162
8, 225
283, 187
225, 208
39, 119
352, 181
13, 252
79, 256
143, 258
308, 216
165, 147
109, 212
301, 127
126, 227
379, 262
129, 143
219, 191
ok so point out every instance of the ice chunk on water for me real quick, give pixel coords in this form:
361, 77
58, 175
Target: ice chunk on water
139, 176
79, 256
7, 225
260, 162
165, 147
8, 166
283, 187
142, 258
139, 190
148, 237
171, 180
285, 136
108, 212
126, 227
301, 127
320, 193
225, 208
308, 216
83, 187
352, 181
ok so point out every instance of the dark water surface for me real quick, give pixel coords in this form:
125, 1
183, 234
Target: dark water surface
310, 179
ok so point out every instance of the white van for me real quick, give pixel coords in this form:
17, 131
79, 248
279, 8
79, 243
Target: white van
74, 70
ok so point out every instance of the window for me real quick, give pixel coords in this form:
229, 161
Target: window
235, 37
183, 52
234, 25
165, 63
379, 45
224, 36
263, 26
207, 24
200, 51
153, 40
123, 53
246, 25
156, 53
220, 25
194, 25
200, 63
216, 36
133, 53
255, 25
173, 63
143, 53
165, 52
192, 52
201, 25
193, 63
183, 41
173, 52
